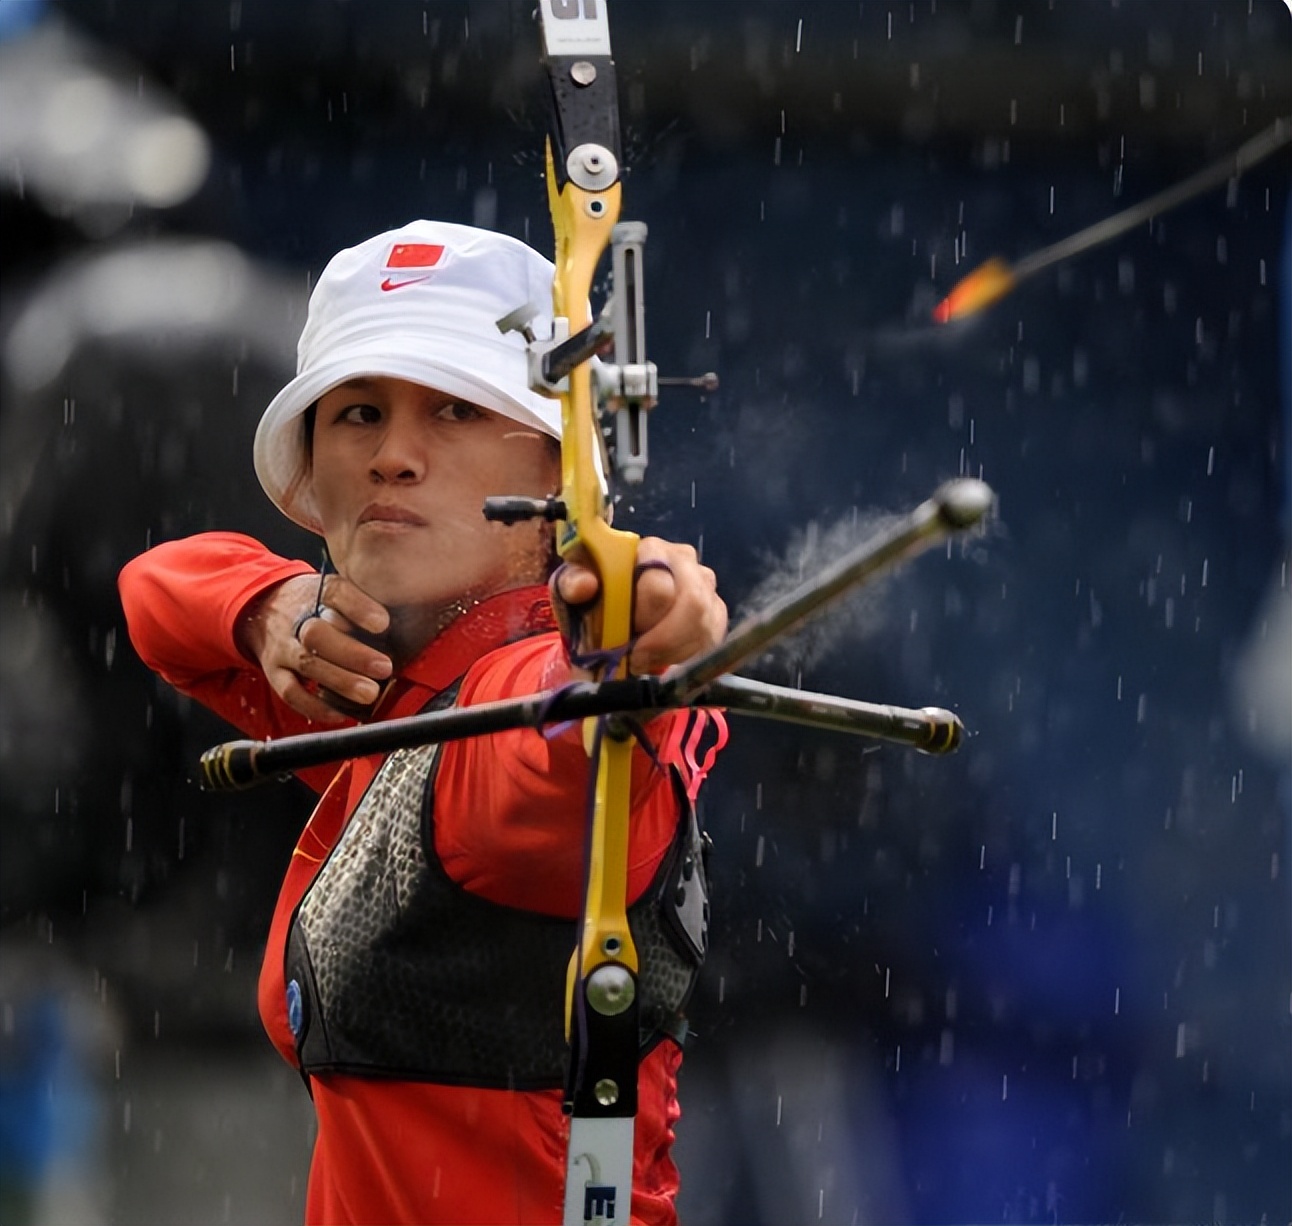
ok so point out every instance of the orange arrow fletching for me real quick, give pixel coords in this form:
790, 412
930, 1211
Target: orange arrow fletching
988, 283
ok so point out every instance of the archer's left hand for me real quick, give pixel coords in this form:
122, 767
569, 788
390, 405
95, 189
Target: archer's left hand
677, 612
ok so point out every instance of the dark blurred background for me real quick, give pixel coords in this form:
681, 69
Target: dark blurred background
1048, 979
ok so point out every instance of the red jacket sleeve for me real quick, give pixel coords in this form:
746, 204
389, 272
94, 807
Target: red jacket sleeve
182, 601
510, 809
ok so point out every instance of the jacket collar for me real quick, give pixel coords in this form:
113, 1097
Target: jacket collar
494, 622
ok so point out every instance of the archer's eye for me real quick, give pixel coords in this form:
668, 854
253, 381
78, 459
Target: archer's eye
364, 414
458, 410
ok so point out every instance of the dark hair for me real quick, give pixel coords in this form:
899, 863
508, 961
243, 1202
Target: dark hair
307, 424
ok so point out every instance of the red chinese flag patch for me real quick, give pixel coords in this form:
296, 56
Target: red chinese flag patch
414, 255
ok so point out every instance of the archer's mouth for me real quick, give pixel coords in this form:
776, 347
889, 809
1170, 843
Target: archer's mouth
389, 515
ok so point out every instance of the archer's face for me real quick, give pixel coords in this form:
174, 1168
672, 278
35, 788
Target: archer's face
400, 473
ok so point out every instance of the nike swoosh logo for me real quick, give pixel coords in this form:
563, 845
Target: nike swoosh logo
389, 283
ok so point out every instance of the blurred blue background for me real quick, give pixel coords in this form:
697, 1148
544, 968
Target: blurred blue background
1048, 979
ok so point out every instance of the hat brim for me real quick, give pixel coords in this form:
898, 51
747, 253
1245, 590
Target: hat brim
279, 450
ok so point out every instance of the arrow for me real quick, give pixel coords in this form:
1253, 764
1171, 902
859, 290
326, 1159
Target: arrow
992, 280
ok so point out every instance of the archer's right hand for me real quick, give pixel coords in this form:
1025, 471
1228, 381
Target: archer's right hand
313, 661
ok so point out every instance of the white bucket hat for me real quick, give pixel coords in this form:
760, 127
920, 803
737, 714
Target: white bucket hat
418, 303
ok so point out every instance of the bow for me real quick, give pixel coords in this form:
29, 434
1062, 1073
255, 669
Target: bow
583, 191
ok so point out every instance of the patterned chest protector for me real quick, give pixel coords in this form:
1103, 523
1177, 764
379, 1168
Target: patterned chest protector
395, 970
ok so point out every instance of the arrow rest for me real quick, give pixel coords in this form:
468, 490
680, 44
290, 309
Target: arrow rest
512, 508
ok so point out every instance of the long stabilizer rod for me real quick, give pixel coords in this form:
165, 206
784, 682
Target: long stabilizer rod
955, 506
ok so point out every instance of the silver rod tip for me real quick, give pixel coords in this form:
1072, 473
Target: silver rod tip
943, 731
964, 501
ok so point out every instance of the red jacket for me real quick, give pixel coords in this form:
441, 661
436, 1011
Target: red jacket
391, 1151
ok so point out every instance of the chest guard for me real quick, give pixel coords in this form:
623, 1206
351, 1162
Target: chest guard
395, 970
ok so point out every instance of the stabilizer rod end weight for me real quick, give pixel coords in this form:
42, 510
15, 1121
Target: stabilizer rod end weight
230, 767
941, 732
963, 502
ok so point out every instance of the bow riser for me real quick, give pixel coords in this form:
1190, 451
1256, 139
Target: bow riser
582, 166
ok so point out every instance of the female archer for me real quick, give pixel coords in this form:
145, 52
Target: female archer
416, 960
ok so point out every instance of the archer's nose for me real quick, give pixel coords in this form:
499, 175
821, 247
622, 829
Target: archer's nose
400, 455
